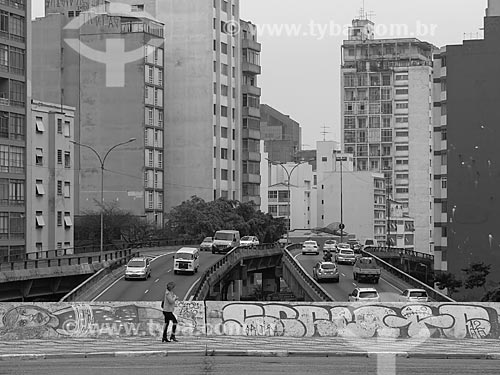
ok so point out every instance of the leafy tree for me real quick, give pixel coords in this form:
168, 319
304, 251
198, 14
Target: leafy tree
492, 295
476, 275
449, 281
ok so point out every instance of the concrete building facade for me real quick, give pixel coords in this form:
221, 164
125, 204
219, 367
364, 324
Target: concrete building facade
108, 111
387, 118
466, 157
50, 186
15, 125
251, 176
281, 134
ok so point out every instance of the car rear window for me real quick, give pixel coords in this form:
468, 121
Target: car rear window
328, 266
346, 252
418, 294
330, 242
310, 243
368, 294
207, 239
136, 263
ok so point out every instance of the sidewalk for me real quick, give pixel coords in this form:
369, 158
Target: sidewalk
246, 346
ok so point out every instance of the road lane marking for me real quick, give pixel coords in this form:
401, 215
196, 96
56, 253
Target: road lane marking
395, 287
109, 287
190, 289
157, 280
354, 284
147, 290
343, 274
169, 270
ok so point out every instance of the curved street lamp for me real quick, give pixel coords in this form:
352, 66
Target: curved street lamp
102, 160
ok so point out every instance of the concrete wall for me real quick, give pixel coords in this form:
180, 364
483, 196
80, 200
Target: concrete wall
20, 321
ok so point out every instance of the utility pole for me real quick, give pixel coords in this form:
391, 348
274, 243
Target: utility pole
341, 226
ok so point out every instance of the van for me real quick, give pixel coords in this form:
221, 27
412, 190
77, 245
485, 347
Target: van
187, 259
225, 240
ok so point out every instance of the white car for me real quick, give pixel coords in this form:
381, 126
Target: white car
310, 247
364, 295
344, 246
414, 295
138, 268
249, 241
330, 245
345, 256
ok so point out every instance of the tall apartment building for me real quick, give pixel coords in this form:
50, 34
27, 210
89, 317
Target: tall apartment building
251, 176
282, 135
387, 118
50, 186
466, 152
15, 124
203, 133
117, 99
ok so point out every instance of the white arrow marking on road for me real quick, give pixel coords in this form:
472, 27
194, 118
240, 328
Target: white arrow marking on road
147, 290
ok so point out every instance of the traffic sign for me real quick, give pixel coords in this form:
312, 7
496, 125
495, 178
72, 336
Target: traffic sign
341, 226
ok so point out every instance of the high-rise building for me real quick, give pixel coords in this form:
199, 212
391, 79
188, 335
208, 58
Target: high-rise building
15, 125
466, 152
387, 118
109, 64
50, 186
203, 133
281, 134
251, 176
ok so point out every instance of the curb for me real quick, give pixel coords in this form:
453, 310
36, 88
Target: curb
244, 353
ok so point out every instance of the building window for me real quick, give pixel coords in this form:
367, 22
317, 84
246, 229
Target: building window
59, 157
444, 182
224, 174
443, 134
39, 188
223, 48
223, 153
67, 159
39, 156
39, 222
67, 220
59, 126
67, 189
223, 111
4, 225
223, 132
59, 187
59, 218
67, 128
39, 126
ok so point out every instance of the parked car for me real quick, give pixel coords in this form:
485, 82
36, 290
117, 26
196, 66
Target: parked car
330, 245
345, 256
364, 295
366, 268
310, 247
138, 268
207, 243
249, 241
414, 295
326, 271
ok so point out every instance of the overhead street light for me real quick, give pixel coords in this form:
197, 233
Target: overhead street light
102, 160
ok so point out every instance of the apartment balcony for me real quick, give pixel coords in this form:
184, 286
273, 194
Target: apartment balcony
251, 134
252, 90
251, 178
250, 156
251, 44
251, 68
251, 112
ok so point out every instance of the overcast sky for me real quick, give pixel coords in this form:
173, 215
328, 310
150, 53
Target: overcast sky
301, 47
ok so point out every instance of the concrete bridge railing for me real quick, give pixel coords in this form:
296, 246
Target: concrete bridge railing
349, 321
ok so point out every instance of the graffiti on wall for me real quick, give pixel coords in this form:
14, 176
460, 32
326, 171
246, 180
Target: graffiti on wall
57, 320
452, 321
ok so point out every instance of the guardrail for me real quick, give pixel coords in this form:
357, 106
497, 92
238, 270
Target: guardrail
400, 251
212, 275
309, 286
68, 260
433, 293
98, 276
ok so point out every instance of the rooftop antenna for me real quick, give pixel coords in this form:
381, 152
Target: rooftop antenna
324, 131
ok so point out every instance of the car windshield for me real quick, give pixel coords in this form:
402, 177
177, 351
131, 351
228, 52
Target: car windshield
344, 245
328, 266
207, 239
246, 238
418, 293
186, 256
346, 252
330, 242
136, 264
310, 243
367, 261
224, 236
368, 294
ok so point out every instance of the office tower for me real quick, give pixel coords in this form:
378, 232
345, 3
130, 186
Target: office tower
50, 179
387, 118
466, 152
109, 64
15, 123
251, 174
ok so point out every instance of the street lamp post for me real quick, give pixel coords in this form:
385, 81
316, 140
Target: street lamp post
289, 174
341, 226
102, 160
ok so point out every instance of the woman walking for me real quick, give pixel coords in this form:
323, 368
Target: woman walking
168, 312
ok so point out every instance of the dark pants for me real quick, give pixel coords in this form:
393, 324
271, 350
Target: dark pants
169, 317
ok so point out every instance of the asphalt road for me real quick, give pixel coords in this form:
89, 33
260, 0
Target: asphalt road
187, 365
387, 287
162, 272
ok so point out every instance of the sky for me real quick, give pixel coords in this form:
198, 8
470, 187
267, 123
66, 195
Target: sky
301, 43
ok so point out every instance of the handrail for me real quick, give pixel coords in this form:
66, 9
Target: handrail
433, 293
317, 291
202, 289
400, 251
